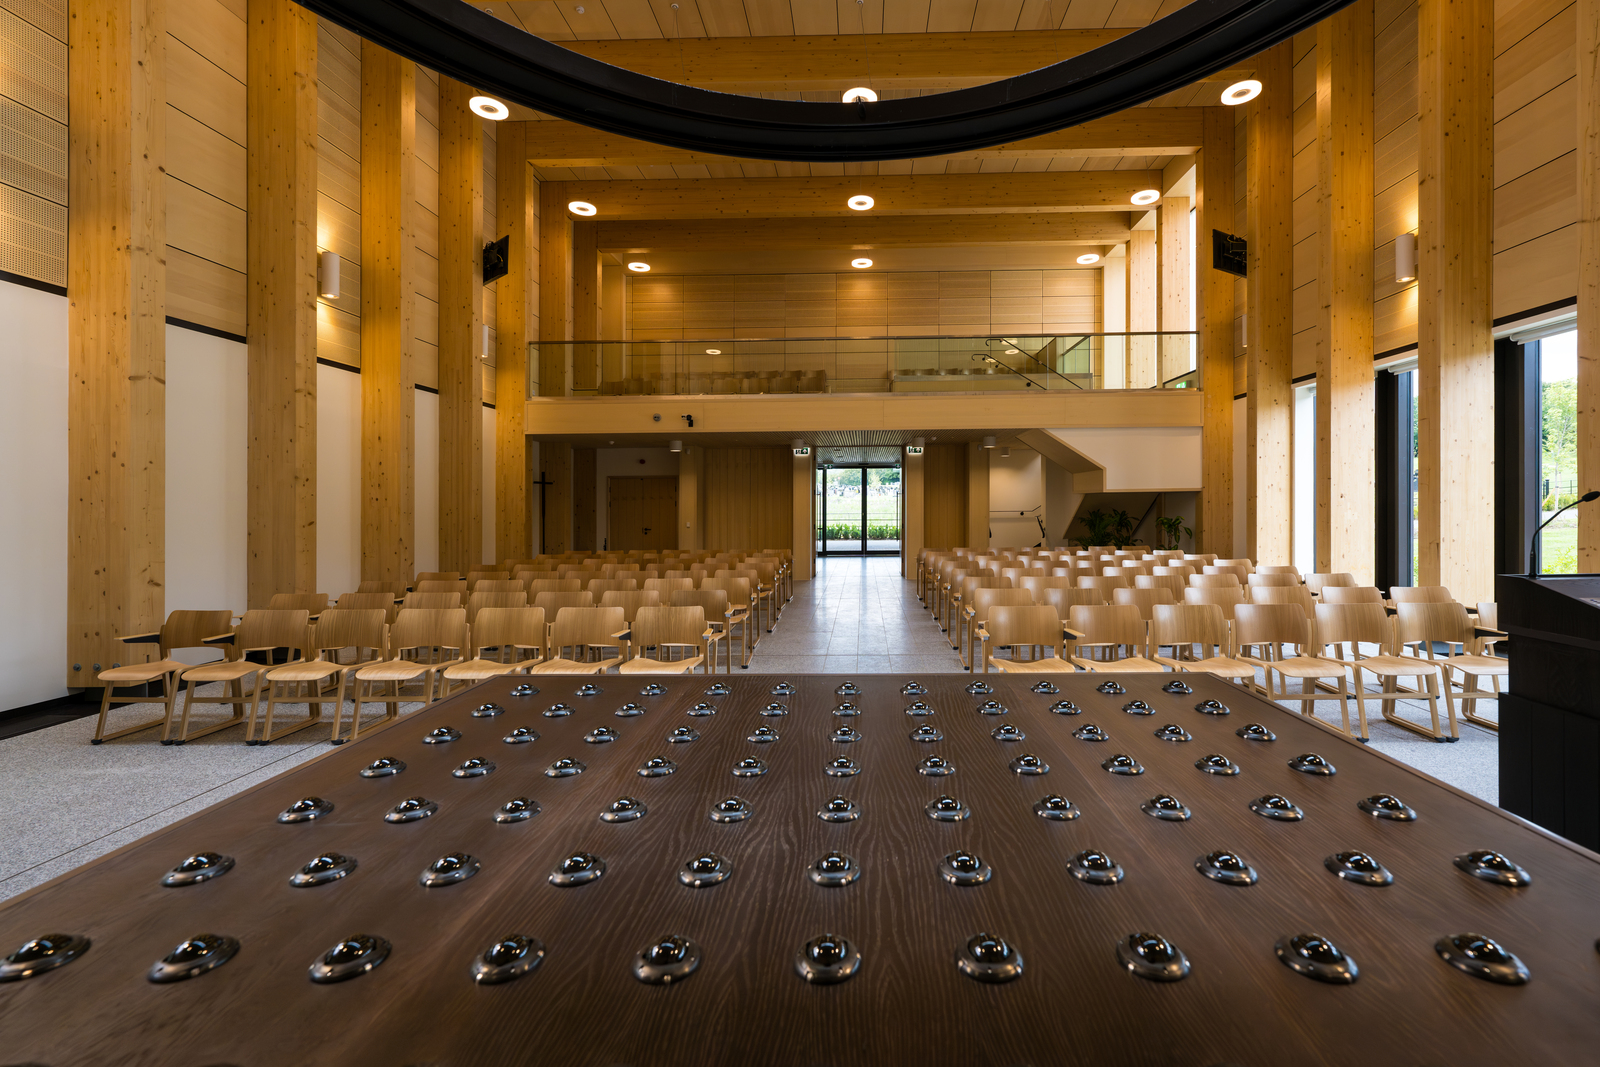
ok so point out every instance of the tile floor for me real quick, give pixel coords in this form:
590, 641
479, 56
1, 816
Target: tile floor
69, 801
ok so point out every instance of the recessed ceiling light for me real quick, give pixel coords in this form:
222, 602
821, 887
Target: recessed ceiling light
861, 264
489, 108
581, 207
861, 202
638, 268
1241, 92
860, 92
1146, 196
713, 351
1088, 258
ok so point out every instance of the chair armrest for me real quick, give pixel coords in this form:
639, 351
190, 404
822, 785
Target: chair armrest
710, 635
219, 639
626, 635
1477, 631
1074, 634
983, 634
141, 639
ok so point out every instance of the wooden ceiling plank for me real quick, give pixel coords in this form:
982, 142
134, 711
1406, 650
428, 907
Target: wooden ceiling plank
543, 19
951, 16
1089, 14
724, 18
810, 17
593, 24
634, 19
682, 23
905, 16
769, 18
996, 16
859, 18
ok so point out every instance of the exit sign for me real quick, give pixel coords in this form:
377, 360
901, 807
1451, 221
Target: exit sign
913, 450
802, 451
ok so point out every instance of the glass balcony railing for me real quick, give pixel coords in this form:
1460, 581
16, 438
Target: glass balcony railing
1070, 362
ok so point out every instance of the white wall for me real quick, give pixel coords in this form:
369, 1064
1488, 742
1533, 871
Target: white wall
33, 528
1139, 457
626, 463
1016, 485
338, 480
488, 488
427, 480
208, 474
1305, 482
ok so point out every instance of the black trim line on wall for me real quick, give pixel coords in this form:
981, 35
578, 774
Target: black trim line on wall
337, 365
208, 330
426, 389
1555, 305
32, 283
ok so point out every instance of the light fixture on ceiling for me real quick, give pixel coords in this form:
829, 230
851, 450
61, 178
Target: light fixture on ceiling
328, 275
861, 202
1241, 92
713, 351
1146, 196
860, 92
581, 207
1005, 453
861, 264
674, 446
1013, 352
489, 108
1405, 257
988, 442
1088, 259
638, 267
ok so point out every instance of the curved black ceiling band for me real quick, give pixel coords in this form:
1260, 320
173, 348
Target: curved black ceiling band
459, 40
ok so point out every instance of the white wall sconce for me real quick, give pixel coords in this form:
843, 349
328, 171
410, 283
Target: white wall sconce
328, 275
1405, 257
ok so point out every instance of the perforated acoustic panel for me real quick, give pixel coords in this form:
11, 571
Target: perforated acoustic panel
33, 139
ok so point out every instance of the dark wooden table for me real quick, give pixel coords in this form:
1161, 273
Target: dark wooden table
909, 1003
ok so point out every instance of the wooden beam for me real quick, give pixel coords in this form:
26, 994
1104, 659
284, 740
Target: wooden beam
1345, 413
282, 300
1174, 301
803, 542
585, 305
116, 332
1269, 228
1139, 131
460, 329
864, 231
388, 314
555, 289
1143, 281
1588, 279
1214, 313
1455, 324
516, 302
895, 194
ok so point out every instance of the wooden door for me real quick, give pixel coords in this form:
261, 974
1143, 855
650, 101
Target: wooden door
642, 512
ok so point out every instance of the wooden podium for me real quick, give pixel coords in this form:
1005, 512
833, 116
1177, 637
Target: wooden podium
1550, 720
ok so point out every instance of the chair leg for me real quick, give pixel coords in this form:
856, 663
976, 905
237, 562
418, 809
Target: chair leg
1361, 704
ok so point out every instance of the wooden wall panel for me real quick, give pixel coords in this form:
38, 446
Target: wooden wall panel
339, 189
1394, 168
424, 275
749, 498
555, 288
1588, 275
1308, 243
517, 318
1214, 319
944, 496
460, 329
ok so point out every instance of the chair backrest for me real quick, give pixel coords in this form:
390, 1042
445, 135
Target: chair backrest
985, 600
1271, 625
1227, 597
1108, 626
630, 601
311, 602
508, 628
432, 601
1429, 621
553, 585
1351, 594
1037, 585
1368, 624
664, 627
1265, 578
601, 586
1284, 594
1489, 614
1105, 583
1189, 624
588, 626
438, 576
1182, 570
1229, 580
1239, 574
497, 585
272, 628
1420, 594
1143, 599
665, 586
1246, 565
480, 600
1278, 568
713, 602
971, 583
1318, 582
553, 603
738, 589
1064, 600
1173, 582
432, 586
474, 577
394, 589
341, 627
189, 628
428, 628
1199, 559
1023, 625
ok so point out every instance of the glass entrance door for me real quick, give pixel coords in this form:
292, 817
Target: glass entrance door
858, 511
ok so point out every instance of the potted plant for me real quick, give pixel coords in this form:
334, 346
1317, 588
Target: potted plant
1173, 531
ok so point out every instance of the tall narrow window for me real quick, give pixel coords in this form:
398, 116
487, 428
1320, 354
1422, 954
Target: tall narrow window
1305, 479
1558, 450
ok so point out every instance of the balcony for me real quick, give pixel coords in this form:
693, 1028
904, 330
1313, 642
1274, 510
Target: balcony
1075, 363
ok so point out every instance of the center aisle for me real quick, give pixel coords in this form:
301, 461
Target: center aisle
858, 616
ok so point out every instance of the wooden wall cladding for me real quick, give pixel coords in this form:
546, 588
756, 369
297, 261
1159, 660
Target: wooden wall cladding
33, 139
749, 498
1307, 241
1394, 169
339, 188
425, 260
944, 496
206, 179
491, 232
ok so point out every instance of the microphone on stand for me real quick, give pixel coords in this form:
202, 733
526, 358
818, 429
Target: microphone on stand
1533, 564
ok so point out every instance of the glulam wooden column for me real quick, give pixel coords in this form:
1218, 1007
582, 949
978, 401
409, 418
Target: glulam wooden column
1174, 301
559, 496
805, 521
282, 300
913, 529
555, 289
516, 303
1214, 325
586, 304
977, 496
1269, 229
116, 331
1143, 316
1588, 280
460, 329
1345, 412
388, 313
1455, 271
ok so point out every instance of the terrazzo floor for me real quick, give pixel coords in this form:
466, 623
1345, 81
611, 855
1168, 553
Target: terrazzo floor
70, 801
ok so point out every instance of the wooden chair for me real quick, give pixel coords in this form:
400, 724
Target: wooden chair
1174, 583
496, 585
432, 601
1227, 580
1064, 600
417, 631
313, 603
1347, 627
667, 586
182, 630
601, 586
1278, 568
1199, 638
536, 586
432, 586
474, 577
1264, 578
1420, 625
362, 630
1019, 626
552, 603
485, 599
394, 589
976, 612
365, 601
959, 596
1111, 630
1318, 582
630, 602
261, 632
1104, 584
1420, 594
1351, 594
506, 632
587, 629
720, 618
1298, 595
1248, 566
1268, 628
1143, 599
1226, 597
438, 576
741, 603
668, 629
1198, 560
